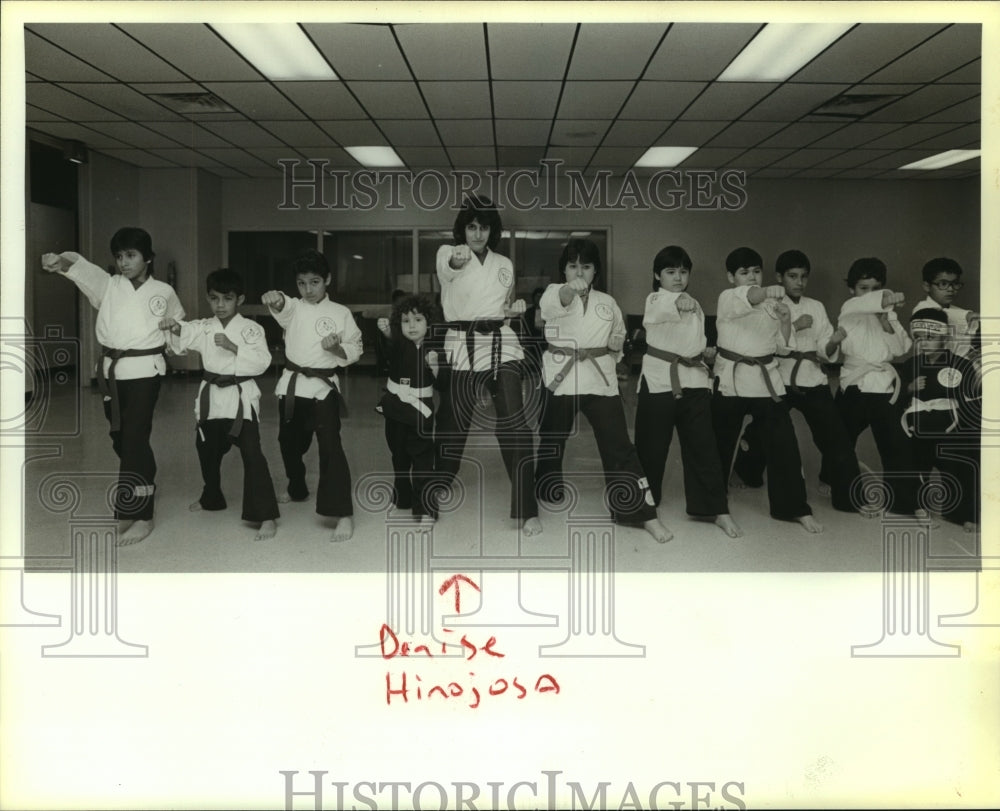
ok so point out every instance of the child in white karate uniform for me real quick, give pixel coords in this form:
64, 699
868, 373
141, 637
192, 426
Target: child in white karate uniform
129, 308
233, 352
942, 279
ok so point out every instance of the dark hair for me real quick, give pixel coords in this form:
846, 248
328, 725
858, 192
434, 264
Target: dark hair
413, 304
743, 258
940, 265
868, 268
224, 281
791, 259
673, 256
928, 314
135, 239
481, 210
311, 261
585, 252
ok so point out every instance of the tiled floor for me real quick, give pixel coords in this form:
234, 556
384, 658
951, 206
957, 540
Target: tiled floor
220, 542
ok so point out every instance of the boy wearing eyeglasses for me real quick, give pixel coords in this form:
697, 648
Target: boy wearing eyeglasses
942, 281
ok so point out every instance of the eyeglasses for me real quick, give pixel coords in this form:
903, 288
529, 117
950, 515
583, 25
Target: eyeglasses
947, 285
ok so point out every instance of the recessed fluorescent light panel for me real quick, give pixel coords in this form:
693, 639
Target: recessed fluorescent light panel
378, 157
942, 159
281, 51
779, 50
665, 155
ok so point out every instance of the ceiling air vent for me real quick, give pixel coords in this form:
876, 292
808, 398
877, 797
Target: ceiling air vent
193, 103
855, 105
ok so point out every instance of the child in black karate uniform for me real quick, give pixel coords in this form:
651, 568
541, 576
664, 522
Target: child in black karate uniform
408, 404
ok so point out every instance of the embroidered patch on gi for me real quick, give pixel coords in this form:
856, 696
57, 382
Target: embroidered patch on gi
251, 334
158, 305
506, 276
604, 311
949, 377
324, 326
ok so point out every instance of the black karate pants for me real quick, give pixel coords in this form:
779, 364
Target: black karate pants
786, 489
212, 442
137, 465
412, 450
626, 489
954, 454
322, 418
656, 417
860, 410
516, 441
839, 466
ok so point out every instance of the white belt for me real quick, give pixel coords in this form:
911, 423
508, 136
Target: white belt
411, 396
942, 404
851, 375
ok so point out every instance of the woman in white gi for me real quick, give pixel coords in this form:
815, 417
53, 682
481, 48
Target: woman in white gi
585, 332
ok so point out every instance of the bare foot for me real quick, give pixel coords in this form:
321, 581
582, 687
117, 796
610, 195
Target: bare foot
344, 530
824, 489
266, 531
657, 530
135, 533
194, 507
970, 526
728, 525
283, 497
736, 482
810, 523
531, 526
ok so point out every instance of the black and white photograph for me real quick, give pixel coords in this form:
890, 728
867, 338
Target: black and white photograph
609, 386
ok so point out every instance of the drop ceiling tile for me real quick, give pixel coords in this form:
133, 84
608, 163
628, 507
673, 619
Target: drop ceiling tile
194, 49
424, 156
699, 51
475, 132
661, 100
855, 134
354, 133
613, 51
185, 157
773, 174
51, 62
138, 157
745, 133
93, 138
33, 113
271, 155
235, 158
390, 99
573, 157
242, 133
899, 157
593, 99
520, 156
805, 158
943, 53
634, 133
109, 49
522, 133
359, 51
136, 135
792, 101
575, 132
926, 101
263, 170
802, 134
323, 100
970, 73
298, 133
54, 99
864, 50
525, 99
611, 157
969, 110
727, 101
411, 133
335, 157
909, 135
124, 101
860, 174
433, 51
225, 172
854, 157
190, 134
529, 50
464, 157
967, 137
690, 133
711, 158
759, 158
256, 100
458, 99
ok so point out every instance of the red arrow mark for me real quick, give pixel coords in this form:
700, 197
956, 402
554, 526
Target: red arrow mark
453, 581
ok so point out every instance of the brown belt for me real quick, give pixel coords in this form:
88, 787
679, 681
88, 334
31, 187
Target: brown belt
760, 362
675, 360
222, 381
574, 356
106, 385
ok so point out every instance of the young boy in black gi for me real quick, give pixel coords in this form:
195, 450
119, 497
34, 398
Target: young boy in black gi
320, 337
233, 352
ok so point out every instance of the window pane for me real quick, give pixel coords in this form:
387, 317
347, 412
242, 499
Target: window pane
368, 265
264, 259
537, 256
